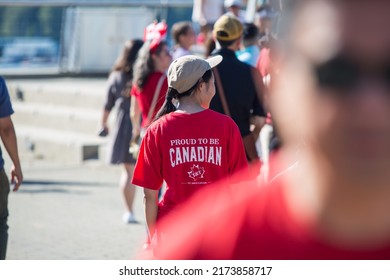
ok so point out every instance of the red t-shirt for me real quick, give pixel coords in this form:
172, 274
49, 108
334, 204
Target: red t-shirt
145, 96
188, 152
263, 62
254, 223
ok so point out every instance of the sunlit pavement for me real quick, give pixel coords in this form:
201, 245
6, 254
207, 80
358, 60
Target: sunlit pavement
72, 212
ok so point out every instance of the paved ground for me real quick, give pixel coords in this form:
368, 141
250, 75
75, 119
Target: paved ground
65, 211
69, 212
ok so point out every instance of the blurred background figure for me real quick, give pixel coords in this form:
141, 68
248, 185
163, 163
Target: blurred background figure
149, 82
267, 19
264, 19
249, 54
251, 50
184, 38
240, 85
331, 104
8, 138
118, 94
204, 14
233, 7
268, 68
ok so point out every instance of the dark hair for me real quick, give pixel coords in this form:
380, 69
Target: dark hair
250, 34
179, 29
210, 46
172, 93
224, 44
127, 57
144, 64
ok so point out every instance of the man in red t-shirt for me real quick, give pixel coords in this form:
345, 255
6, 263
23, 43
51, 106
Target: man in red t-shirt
332, 107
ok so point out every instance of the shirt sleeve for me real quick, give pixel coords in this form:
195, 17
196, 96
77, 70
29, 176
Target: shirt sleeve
111, 93
134, 91
5, 102
148, 169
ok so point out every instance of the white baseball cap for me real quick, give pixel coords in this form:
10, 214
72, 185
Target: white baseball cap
184, 72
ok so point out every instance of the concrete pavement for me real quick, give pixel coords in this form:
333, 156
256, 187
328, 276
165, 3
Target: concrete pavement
71, 212
66, 210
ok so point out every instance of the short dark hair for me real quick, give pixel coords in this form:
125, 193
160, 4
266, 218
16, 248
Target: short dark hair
180, 28
225, 44
250, 34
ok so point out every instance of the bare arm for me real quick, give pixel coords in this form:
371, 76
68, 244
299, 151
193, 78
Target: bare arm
8, 136
151, 209
135, 116
103, 125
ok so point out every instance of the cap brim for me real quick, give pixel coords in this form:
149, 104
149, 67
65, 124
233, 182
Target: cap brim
214, 61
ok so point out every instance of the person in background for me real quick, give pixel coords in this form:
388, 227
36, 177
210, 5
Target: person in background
204, 15
264, 20
251, 49
188, 147
149, 84
241, 85
8, 137
331, 102
206, 12
269, 140
118, 94
184, 36
233, 7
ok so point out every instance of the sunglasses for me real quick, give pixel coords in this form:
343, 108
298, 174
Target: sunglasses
343, 73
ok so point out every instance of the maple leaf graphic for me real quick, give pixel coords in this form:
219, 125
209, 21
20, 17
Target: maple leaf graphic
196, 172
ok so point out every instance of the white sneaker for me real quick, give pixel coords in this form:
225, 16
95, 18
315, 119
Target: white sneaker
129, 218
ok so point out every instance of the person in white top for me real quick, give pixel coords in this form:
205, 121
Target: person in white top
206, 12
184, 36
233, 7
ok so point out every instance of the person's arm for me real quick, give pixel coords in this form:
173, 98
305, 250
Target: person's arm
260, 90
111, 98
257, 124
258, 117
151, 209
135, 116
103, 126
8, 136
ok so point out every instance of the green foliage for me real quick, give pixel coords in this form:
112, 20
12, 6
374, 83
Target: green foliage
31, 21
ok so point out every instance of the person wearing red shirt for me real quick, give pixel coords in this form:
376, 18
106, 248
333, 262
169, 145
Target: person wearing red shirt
149, 80
331, 102
188, 147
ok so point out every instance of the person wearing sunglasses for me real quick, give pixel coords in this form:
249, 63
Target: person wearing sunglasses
331, 102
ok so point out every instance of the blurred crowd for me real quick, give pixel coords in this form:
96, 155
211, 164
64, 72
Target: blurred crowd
138, 81
260, 136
